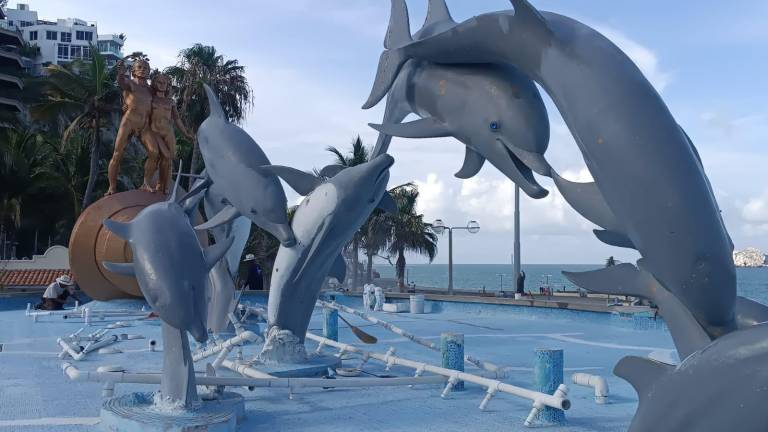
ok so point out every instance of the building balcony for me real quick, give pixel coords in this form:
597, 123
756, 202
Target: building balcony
9, 104
10, 35
11, 81
10, 58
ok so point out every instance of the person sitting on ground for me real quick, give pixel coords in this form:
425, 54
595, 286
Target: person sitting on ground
255, 279
58, 293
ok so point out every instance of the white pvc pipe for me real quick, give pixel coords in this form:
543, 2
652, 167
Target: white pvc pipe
595, 381
245, 336
76, 355
553, 401
76, 374
490, 367
101, 344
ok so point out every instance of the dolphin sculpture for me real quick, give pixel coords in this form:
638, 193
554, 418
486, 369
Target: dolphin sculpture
323, 223
653, 191
715, 389
172, 270
221, 282
494, 110
231, 159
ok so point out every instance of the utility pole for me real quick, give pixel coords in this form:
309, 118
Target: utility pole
516, 253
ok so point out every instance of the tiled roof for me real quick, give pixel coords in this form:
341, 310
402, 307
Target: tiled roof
30, 278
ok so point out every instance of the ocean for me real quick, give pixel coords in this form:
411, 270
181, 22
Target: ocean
752, 282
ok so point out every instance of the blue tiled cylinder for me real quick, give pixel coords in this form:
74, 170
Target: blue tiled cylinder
548, 375
331, 324
452, 350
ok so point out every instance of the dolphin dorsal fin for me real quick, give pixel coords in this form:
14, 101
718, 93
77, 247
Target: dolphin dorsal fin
214, 107
120, 229
428, 127
214, 253
437, 11
302, 182
176, 183
525, 11
473, 161
388, 203
399, 30
642, 373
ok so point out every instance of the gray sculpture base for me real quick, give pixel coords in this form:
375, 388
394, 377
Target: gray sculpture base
282, 347
137, 412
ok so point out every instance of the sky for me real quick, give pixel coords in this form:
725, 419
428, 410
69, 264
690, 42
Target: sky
311, 65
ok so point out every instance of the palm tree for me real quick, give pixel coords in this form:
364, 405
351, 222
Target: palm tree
407, 231
203, 64
373, 239
83, 95
25, 168
357, 155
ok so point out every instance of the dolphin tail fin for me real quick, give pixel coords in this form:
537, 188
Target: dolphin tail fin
121, 229
125, 269
614, 238
216, 252
331, 170
228, 214
214, 107
198, 187
388, 203
642, 373
392, 59
750, 312
302, 182
626, 279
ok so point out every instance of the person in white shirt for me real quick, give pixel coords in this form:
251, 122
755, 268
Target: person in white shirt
57, 294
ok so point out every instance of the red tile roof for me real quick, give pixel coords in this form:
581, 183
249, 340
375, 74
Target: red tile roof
30, 278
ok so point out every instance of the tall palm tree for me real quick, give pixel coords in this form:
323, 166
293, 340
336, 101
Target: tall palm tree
203, 64
83, 95
357, 155
407, 231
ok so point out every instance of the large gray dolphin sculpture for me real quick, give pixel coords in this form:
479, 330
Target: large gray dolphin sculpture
231, 159
323, 223
494, 110
646, 172
719, 388
171, 269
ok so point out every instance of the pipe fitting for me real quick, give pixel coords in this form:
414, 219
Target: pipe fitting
595, 381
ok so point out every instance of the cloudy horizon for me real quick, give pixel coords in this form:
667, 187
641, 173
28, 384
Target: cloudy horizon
311, 65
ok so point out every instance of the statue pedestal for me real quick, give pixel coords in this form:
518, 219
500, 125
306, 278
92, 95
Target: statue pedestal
137, 412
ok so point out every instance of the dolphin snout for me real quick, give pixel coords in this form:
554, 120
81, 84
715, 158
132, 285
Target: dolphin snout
284, 234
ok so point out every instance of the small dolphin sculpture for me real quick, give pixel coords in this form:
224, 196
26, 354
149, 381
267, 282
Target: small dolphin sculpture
494, 110
221, 282
647, 175
323, 223
171, 269
231, 160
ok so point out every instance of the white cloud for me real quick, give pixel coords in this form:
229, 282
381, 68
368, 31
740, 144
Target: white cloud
644, 57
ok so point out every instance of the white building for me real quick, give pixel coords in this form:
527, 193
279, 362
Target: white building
63, 40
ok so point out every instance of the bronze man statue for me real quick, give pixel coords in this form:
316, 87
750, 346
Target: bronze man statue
137, 106
164, 116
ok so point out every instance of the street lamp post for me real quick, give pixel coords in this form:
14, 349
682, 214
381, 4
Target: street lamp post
438, 226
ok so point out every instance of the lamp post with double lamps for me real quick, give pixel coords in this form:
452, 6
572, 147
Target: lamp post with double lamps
438, 226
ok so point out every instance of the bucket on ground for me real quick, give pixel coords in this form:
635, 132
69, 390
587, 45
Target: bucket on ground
417, 304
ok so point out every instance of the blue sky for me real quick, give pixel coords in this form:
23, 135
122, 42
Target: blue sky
311, 64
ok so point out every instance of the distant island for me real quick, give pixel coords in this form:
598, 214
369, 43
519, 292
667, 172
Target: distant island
749, 257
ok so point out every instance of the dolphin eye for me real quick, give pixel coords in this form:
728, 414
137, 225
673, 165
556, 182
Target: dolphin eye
494, 125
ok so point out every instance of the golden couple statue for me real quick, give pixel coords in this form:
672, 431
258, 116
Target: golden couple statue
149, 113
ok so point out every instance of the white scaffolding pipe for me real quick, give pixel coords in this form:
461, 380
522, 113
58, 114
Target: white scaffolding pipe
595, 381
539, 399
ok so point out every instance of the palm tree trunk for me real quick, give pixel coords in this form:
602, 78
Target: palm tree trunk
400, 269
355, 261
193, 166
94, 168
369, 267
